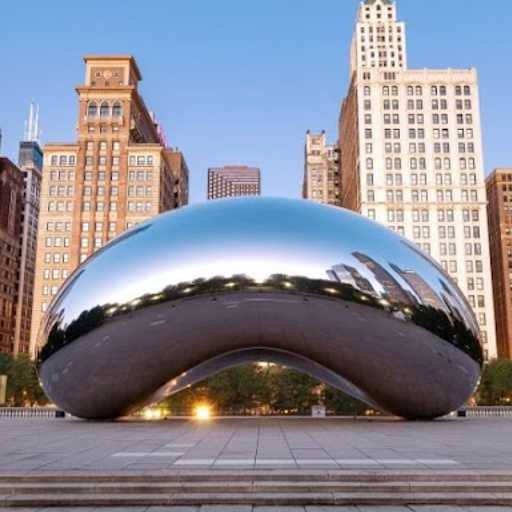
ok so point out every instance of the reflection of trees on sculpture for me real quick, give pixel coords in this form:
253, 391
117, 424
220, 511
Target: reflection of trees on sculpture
436, 321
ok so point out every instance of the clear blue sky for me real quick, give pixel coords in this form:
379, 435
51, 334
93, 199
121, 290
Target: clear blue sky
239, 81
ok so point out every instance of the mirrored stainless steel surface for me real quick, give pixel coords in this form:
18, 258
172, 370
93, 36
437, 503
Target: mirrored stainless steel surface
193, 291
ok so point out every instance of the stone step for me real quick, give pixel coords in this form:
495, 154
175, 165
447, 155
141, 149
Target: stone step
69, 477
314, 498
279, 487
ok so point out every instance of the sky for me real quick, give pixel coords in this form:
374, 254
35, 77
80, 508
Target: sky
239, 81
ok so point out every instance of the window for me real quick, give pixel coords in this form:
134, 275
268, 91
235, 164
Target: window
112, 226
104, 109
369, 163
92, 109
367, 91
116, 109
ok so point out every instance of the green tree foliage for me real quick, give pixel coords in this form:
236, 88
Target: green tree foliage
23, 388
496, 383
256, 389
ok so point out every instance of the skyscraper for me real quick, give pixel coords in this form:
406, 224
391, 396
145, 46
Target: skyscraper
31, 164
11, 207
322, 181
233, 180
499, 209
114, 176
411, 155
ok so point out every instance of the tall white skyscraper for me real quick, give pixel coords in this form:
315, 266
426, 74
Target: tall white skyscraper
411, 155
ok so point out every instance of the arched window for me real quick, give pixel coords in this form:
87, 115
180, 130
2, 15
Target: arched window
437, 163
458, 90
419, 90
385, 90
467, 90
367, 91
442, 90
394, 90
369, 163
92, 109
104, 109
398, 163
117, 109
389, 163
433, 90
410, 90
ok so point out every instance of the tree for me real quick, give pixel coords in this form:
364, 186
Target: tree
496, 383
23, 388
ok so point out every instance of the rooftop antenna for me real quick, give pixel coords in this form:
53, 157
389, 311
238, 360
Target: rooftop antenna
32, 132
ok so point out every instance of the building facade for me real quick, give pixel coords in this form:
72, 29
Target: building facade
233, 180
411, 155
31, 165
180, 171
499, 210
116, 175
11, 206
322, 182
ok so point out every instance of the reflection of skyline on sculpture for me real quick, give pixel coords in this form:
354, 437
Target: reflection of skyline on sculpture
283, 246
265, 267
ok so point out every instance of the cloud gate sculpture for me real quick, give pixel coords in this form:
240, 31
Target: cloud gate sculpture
191, 292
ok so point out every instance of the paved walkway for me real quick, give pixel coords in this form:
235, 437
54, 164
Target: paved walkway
41, 445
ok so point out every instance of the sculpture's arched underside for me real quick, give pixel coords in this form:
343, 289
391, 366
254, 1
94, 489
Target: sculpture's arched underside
192, 292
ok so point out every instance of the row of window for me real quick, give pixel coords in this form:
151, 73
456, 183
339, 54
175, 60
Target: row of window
418, 104
141, 160
103, 145
421, 196
67, 206
435, 90
58, 226
56, 257
63, 160
421, 179
421, 163
62, 175
100, 191
88, 176
105, 109
102, 160
98, 227
420, 119
55, 273
103, 128
62, 190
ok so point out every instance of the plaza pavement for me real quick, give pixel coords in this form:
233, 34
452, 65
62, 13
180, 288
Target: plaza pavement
71, 445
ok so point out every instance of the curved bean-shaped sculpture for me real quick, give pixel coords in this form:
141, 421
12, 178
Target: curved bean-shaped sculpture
196, 290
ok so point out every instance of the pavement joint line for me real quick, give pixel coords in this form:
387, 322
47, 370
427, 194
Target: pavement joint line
147, 454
